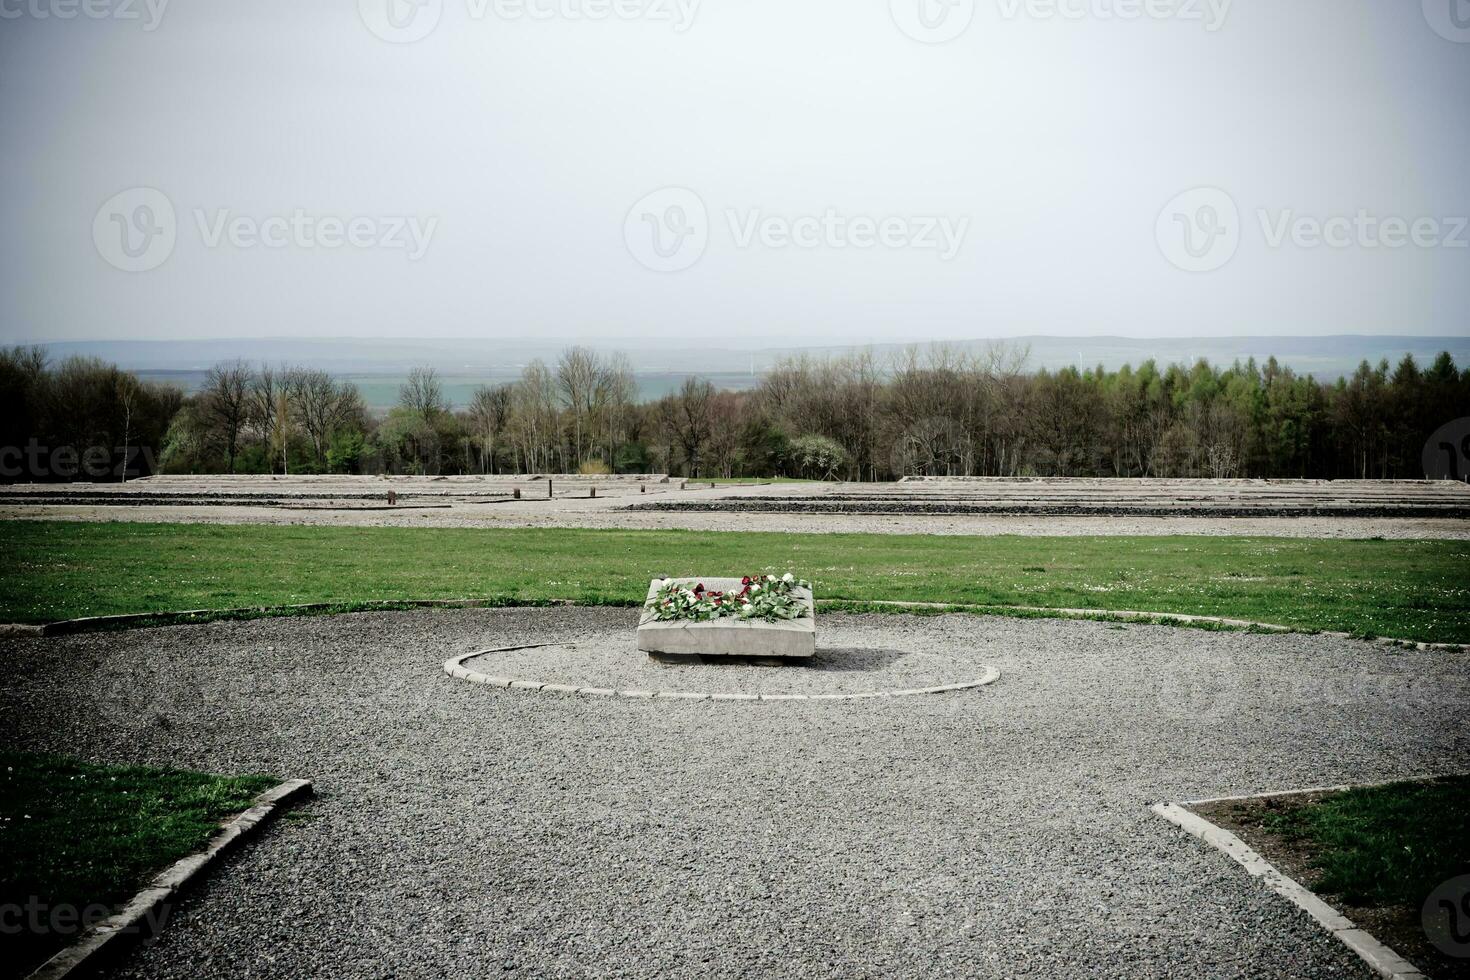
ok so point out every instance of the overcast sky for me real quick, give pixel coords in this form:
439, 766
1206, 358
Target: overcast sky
767, 171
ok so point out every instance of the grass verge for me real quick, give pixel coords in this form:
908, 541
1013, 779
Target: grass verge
1377, 854
1384, 844
1417, 590
77, 840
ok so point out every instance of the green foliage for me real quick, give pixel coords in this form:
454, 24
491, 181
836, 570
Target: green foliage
763, 447
816, 457
632, 457
78, 835
58, 570
346, 452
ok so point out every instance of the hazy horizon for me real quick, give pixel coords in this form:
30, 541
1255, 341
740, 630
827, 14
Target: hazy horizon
686, 171
379, 365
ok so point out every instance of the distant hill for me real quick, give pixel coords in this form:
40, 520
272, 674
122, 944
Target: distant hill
378, 365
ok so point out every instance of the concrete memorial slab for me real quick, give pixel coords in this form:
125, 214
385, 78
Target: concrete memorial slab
729, 636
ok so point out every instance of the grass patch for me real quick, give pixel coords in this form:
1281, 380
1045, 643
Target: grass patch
76, 837
1385, 845
1416, 590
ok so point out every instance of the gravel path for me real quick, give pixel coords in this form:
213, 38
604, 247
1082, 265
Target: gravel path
463, 831
536, 515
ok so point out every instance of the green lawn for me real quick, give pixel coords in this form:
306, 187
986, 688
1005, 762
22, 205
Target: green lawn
57, 570
1385, 845
76, 840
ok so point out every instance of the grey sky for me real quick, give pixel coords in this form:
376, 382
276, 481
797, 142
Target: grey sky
517, 146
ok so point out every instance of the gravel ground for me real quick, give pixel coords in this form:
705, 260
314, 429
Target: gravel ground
605, 660
465, 831
536, 514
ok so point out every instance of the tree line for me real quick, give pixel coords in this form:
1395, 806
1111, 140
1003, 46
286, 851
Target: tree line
927, 411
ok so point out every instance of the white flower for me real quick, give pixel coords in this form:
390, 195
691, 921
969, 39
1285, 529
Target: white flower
663, 583
754, 589
788, 577
770, 578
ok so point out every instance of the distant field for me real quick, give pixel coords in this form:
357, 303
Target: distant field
1409, 589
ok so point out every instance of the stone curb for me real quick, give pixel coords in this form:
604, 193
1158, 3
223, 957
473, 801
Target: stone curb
1384, 961
455, 668
109, 939
1321, 789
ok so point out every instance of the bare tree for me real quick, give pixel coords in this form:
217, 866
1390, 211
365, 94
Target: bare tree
226, 403
321, 405
264, 392
687, 416
614, 396
127, 396
536, 425
423, 393
490, 416
577, 376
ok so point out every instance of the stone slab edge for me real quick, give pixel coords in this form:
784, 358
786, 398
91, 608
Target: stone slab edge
111, 937
1381, 959
455, 667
